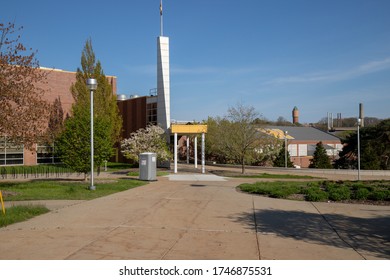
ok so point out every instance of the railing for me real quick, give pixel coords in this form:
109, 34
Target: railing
32, 172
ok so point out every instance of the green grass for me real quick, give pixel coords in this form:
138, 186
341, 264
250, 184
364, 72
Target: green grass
274, 176
17, 214
323, 190
57, 190
136, 173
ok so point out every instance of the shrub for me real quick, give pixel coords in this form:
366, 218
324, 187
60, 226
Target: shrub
275, 190
379, 194
338, 193
314, 193
283, 191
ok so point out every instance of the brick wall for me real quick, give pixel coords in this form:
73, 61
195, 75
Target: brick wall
58, 84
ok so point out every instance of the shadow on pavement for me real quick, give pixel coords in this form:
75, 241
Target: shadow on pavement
367, 234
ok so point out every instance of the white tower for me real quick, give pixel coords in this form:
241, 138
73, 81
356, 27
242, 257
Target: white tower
163, 79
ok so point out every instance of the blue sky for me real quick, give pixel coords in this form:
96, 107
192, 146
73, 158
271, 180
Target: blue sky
319, 55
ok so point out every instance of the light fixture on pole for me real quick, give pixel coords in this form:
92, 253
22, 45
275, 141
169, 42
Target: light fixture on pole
92, 86
358, 144
285, 148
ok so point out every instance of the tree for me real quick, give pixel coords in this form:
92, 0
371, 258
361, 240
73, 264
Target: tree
374, 148
320, 158
73, 145
235, 136
280, 160
23, 111
282, 121
150, 139
56, 120
74, 142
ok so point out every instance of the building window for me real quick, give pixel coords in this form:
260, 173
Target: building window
10, 153
46, 154
302, 150
151, 113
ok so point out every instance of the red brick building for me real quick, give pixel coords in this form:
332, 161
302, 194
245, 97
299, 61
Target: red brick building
301, 142
57, 85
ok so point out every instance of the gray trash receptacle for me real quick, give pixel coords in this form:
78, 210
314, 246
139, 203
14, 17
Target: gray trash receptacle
147, 166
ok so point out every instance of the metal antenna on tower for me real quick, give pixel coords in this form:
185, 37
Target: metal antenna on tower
161, 18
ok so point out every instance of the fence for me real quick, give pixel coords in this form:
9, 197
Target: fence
32, 172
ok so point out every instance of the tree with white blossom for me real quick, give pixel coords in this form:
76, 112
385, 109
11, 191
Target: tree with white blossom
150, 139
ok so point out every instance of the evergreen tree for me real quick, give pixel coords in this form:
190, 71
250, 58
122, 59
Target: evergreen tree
320, 158
280, 160
74, 142
374, 148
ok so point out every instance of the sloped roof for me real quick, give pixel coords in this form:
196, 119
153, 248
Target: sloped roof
299, 133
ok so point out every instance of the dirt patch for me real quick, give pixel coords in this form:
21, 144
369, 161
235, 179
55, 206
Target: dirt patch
8, 193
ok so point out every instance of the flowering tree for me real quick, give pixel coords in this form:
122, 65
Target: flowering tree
149, 139
23, 111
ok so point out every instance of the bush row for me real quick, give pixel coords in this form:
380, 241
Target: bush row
324, 190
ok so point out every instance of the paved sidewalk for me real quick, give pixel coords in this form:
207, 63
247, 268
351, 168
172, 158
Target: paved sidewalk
200, 217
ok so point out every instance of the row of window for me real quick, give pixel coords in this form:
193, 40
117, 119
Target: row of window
298, 150
12, 154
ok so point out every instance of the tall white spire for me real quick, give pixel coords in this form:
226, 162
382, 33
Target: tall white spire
163, 78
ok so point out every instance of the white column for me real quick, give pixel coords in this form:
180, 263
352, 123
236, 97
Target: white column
188, 150
175, 153
196, 151
163, 83
203, 155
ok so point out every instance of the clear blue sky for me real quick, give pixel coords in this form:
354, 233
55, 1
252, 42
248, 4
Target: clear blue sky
319, 55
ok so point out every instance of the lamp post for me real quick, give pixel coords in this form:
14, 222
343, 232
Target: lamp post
285, 148
358, 144
92, 85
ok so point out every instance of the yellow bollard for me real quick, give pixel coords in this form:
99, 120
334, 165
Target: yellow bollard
2, 203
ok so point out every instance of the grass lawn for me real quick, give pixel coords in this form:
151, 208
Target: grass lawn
136, 173
17, 214
56, 190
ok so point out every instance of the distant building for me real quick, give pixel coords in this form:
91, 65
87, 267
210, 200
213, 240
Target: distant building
295, 115
301, 142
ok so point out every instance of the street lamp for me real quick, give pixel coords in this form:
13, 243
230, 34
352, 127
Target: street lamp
358, 144
285, 148
92, 85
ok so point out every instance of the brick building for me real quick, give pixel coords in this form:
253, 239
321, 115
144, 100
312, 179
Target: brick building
57, 86
301, 142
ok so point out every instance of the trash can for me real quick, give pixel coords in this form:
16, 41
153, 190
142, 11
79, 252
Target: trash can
147, 166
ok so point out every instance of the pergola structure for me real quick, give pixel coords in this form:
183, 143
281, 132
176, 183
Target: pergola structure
192, 129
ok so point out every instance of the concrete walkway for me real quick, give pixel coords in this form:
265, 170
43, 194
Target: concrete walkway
200, 217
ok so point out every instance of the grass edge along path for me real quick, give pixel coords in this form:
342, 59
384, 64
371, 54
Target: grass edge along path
63, 190
16, 214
